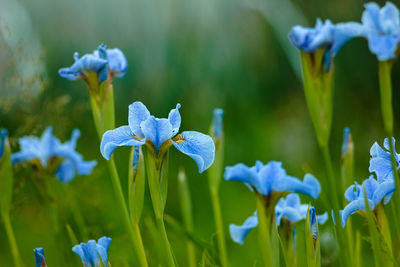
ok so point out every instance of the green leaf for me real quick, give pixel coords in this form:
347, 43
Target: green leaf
136, 187
6, 178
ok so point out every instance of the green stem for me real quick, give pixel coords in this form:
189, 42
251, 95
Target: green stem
140, 247
385, 86
12, 241
164, 238
121, 203
264, 232
220, 227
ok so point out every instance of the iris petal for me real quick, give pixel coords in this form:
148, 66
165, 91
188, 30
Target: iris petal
138, 113
174, 118
121, 136
244, 174
239, 232
39, 257
156, 130
198, 146
102, 248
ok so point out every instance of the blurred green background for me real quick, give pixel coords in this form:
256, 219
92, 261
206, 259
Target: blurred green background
231, 54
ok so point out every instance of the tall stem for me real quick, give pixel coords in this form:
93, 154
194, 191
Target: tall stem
156, 170
264, 232
220, 227
140, 247
12, 241
121, 203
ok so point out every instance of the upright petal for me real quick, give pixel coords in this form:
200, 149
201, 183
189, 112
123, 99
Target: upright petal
39, 257
353, 192
102, 248
370, 17
244, 174
88, 253
313, 223
354, 206
121, 136
239, 232
117, 62
198, 146
156, 130
217, 122
137, 114
174, 118
293, 200
272, 173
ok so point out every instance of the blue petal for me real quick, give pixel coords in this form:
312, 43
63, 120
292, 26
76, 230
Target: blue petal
102, 248
244, 174
137, 114
354, 206
198, 146
383, 190
382, 167
239, 232
270, 174
217, 122
86, 63
3, 136
343, 32
353, 192
389, 18
39, 257
66, 171
293, 200
310, 185
290, 214
174, 118
384, 47
322, 218
157, 131
117, 62
370, 17
88, 253
377, 151
346, 140
121, 136
370, 186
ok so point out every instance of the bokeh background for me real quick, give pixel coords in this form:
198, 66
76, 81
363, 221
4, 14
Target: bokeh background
231, 54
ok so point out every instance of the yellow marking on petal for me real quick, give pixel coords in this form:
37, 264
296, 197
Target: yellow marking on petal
179, 139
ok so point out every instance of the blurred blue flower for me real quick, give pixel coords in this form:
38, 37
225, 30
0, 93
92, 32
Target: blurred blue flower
39, 257
271, 177
324, 35
288, 208
346, 140
90, 252
382, 29
375, 192
144, 127
217, 122
47, 147
3, 135
100, 61
381, 162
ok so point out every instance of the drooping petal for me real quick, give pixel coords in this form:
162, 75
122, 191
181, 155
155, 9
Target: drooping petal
244, 174
198, 146
383, 190
86, 63
22, 156
157, 131
344, 32
310, 185
356, 205
138, 113
117, 62
66, 171
239, 232
121, 136
383, 46
174, 118
290, 214
322, 218
39, 257
102, 248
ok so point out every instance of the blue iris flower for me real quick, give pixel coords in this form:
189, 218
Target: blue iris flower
271, 177
381, 163
160, 133
288, 208
3, 135
376, 192
45, 148
382, 29
90, 252
100, 61
39, 257
324, 35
